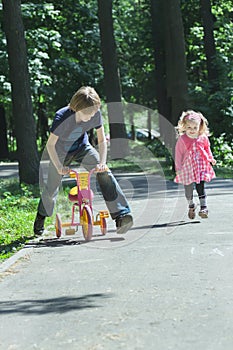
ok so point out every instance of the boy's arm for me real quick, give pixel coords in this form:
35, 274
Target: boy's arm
102, 144
52, 140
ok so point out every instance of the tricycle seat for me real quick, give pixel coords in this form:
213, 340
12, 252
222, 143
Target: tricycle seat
75, 194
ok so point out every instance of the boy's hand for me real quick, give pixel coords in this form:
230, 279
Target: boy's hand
100, 168
64, 170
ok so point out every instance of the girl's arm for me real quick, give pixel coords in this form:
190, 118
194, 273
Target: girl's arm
52, 140
179, 150
102, 144
208, 151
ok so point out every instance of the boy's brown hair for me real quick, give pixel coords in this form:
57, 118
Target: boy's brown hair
85, 99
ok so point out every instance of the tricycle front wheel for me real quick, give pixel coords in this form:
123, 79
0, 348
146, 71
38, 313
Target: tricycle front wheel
87, 224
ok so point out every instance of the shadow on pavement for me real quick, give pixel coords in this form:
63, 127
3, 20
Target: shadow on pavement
168, 224
176, 223
56, 242
56, 305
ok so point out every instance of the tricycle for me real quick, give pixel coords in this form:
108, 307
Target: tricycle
81, 197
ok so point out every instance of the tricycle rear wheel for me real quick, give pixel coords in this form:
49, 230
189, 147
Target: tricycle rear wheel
103, 226
58, 226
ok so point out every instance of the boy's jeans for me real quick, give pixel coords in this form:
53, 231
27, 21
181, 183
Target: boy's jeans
88, 157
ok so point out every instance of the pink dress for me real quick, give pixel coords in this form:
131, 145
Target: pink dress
192, 160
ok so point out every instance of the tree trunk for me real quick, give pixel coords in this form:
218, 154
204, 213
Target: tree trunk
119, 142
176, 76
160, 68
24, 124
149, 124
42, 125
3, 135
170, 60
209, 45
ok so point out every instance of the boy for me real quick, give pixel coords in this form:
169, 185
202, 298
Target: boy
68, 142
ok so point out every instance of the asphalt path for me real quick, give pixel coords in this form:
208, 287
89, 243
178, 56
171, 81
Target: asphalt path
166, 284
8, 170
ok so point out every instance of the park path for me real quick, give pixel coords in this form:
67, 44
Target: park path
166, 284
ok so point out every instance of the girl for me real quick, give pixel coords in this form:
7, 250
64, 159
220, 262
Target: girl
193, 159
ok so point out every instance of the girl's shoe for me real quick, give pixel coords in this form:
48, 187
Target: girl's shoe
203, 213
191, 212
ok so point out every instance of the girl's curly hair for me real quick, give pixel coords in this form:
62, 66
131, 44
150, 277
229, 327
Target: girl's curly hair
195, 117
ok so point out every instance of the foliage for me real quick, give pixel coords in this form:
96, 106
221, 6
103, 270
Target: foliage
158, 149
64, 52
223, 151
136, 66
215, 106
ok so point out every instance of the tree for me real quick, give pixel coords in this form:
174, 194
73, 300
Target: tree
216, 116
24, 124
64, 52
175, 58
209, 45
208, 28
133, 35
3, 134
170, 60
119, 143
159, 53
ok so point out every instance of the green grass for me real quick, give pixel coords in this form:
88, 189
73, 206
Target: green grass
161, 167
18, 205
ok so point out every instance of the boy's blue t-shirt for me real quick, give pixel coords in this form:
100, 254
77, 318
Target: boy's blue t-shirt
72, 136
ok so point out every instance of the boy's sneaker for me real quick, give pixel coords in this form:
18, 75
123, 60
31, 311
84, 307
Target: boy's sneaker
39, 225
123, 223
191, 212
203, 213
